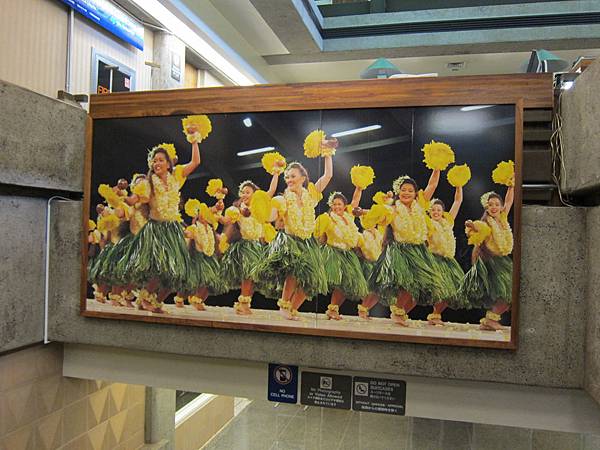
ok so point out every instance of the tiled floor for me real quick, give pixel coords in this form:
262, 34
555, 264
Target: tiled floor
269, 426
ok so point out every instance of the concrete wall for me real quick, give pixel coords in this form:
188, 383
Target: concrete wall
41, 147
592, 348
22, 253
42, 141
581, 146
551, 320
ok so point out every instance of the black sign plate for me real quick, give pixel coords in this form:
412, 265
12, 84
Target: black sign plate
326, 389
379, 395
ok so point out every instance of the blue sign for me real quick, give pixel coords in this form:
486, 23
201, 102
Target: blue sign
283, 383
110, 17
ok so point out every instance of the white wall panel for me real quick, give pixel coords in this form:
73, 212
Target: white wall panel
33, 44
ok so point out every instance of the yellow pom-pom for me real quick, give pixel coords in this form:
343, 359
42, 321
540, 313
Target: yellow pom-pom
362, 176
207, 214
504, 173
91, 225
458, 176
273, 162
233, 214
196, 128
437, 155
314, 192
269, 232
223, 244
141, 189
192, 207
377, 215
313, 144
322, 224
260, 206
279, 204
214, 186
481, 232
379, 198
111, 197
109, 222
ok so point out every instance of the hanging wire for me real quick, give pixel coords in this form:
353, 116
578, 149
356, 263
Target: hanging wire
556, 150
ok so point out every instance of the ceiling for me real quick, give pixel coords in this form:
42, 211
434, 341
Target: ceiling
289, 40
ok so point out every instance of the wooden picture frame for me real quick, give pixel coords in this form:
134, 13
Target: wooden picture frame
522, 91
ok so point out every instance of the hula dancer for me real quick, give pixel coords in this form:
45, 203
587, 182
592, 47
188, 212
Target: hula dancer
294, 256
249, 215
405, 269
442, 244
201, 238
371, 243
489, 281
158, 259
345, 277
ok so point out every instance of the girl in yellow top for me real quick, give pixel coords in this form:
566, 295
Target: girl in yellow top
442, 244
248, 246
158, 259
371, 244
203, 246
489, 281
345, 277
405, 269
294, 258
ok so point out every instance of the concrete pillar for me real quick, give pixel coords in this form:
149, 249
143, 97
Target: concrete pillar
160, 419
169, 53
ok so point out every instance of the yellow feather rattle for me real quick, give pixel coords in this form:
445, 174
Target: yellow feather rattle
196, 128
438, 155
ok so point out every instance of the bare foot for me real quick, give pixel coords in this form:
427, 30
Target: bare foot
399, 320
200, 306
179, 304
434, 322
490, 325
243, 309
128, 304
333, 315
364, 315
285, 313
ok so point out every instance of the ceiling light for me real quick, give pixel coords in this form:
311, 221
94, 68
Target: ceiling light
256, 150
356, 131
248, 122
193, 40
475, 107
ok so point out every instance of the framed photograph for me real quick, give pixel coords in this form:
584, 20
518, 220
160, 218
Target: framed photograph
345, 216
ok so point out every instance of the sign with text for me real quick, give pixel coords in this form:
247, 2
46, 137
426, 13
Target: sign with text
379, 395
283, 383
326, 389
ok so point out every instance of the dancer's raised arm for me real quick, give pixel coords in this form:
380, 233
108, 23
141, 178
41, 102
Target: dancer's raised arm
322, 182
273, 185
195, 161
458, 198
434, 179
509, 198
356, 197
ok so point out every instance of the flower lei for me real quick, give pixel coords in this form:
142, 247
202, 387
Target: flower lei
409, 226
250, 228
164, 204
441, 240
299, 220
344, 233
501, 240
204, 239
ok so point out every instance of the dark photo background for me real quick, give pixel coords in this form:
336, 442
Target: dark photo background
480, 136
